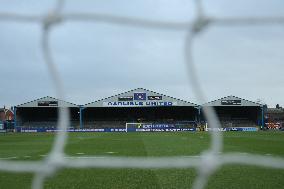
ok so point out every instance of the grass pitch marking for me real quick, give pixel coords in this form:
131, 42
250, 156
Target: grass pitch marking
80, 153
111, 152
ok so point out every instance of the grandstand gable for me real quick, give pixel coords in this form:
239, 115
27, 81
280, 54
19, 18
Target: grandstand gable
139, 98
47, 102
232, 101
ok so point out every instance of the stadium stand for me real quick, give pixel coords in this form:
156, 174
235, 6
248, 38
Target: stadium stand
233, 111
43, 113
138, 105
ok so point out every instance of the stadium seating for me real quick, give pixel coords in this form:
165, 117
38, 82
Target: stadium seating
121, 124
46, 124
104, 124
237, 123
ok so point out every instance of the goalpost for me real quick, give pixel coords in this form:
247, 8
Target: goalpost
132, 126
159, 126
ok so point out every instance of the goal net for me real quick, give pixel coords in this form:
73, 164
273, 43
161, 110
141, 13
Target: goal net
206, 164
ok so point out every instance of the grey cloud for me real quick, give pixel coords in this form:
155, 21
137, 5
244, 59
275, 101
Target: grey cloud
98, 60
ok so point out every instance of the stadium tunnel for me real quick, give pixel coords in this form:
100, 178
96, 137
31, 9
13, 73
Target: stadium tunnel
233, 111
138, 105
43, 113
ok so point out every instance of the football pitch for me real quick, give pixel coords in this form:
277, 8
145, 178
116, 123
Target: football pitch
35, 146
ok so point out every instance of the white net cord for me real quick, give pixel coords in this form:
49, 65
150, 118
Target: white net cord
206, 164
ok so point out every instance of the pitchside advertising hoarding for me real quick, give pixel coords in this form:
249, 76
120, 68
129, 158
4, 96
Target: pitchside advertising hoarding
132, 127
156, 127
139, 99
37, 130
233, 129
26, 130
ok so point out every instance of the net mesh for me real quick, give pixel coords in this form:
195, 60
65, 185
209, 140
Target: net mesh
209, 161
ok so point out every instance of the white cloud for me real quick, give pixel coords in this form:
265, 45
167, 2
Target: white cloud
98, 60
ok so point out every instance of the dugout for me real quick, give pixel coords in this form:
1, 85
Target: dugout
43, 113
233, 111
138, 105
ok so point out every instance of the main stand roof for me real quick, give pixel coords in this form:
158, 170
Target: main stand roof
139, 98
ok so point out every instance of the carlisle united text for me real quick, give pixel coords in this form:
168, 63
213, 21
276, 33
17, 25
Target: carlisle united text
139, 103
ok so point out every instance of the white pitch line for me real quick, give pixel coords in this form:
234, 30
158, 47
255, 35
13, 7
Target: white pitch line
80, 153
111, 152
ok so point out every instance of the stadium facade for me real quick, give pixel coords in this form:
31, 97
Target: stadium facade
138, 106
233, 111
43, 112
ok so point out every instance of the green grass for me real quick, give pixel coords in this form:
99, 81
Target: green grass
32, 146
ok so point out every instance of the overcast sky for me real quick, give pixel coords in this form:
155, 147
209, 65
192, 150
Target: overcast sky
97, 60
